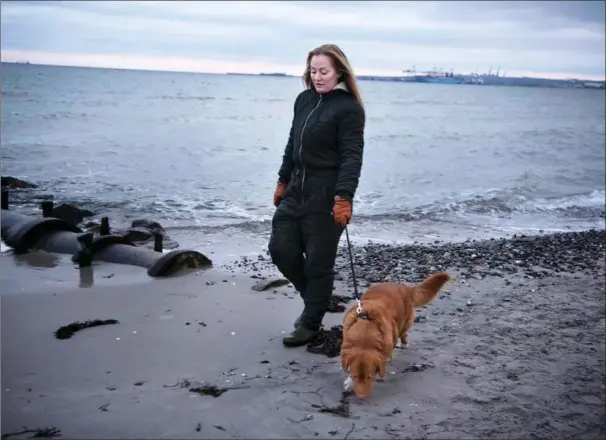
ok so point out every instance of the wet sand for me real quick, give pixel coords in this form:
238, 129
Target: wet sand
497, 357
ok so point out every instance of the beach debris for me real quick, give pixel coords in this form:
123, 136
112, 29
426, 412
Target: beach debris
198, 427
327, 342
268, 284
67, 331
38, 433
393, 412
305, 418
341, 409
414, 367
203, 388
338, 303
208, 390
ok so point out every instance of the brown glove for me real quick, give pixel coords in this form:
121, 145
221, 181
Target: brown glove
341, 211
279, 193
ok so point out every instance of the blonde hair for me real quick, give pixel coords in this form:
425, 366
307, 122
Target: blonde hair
340, 63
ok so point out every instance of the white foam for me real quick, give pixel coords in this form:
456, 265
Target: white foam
595, 199
4, 248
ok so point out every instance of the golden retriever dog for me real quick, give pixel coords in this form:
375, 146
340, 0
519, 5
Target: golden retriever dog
388, 312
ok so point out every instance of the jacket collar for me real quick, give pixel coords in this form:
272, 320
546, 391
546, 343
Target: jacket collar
338, 89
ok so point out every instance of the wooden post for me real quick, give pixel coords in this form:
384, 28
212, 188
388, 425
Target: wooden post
157, 242
5, 198
85, 256
104, 229
47, 208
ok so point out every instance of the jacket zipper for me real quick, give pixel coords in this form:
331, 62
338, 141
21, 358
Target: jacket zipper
301, 145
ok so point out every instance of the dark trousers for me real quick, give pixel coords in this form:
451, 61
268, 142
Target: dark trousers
304, 247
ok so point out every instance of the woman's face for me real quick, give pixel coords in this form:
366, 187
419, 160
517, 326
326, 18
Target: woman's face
323, 74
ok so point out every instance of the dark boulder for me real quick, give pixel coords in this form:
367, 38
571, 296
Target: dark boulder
138, 234
94, 227
143, 232
148, 224
71, 214
14, 183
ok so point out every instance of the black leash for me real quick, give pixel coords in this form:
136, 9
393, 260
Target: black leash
353, 275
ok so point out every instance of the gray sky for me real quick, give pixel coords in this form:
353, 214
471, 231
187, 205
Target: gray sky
552, 39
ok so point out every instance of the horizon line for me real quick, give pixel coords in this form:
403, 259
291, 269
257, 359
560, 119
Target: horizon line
276, 74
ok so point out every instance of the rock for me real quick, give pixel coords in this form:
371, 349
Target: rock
338, 303
138, 234
268, 284
148, 224
71, 214
14, 183
417, 367
93, 227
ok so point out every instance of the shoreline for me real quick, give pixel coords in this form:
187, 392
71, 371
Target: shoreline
532, 256
500, 353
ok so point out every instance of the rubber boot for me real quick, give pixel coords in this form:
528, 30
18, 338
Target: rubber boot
299, 336
297, 322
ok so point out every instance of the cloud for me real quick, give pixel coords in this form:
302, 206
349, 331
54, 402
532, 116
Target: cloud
549, 38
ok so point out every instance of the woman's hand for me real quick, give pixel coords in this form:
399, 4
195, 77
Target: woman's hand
279, 193
341, 211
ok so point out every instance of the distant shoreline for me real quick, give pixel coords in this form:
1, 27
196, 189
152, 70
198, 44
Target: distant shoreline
575, 83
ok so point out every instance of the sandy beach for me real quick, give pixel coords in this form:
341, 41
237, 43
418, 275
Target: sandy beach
500, 354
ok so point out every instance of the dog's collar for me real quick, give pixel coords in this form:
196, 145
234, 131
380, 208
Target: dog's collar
364, 316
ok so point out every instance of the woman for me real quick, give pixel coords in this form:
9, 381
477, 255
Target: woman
317, 183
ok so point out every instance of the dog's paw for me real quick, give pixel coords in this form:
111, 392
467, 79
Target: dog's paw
347, 384
401, 346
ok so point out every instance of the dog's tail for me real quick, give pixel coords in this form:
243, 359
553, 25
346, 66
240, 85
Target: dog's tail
425, 292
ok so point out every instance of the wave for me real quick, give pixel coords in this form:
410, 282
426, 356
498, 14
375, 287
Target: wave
501, 203
217, 213
579, 206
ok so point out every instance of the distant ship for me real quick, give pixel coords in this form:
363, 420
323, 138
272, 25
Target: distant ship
433, 76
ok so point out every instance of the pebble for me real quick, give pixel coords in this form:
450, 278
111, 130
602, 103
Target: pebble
535, 257
538, 256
